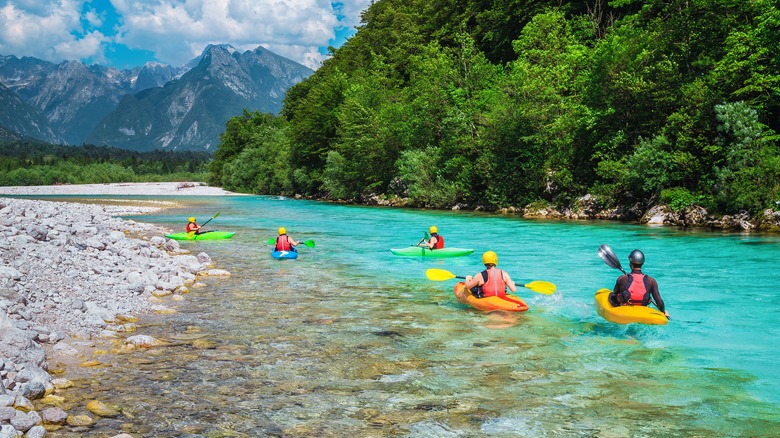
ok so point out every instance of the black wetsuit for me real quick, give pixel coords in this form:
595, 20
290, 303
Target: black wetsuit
622, 284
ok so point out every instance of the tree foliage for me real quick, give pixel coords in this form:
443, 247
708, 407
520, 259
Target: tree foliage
24, 163
505, 103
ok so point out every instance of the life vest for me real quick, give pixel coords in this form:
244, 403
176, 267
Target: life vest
494, 283
283, 243
637, 290
439, 241
192, 227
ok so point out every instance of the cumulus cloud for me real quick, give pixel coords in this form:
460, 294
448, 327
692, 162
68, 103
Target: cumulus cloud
33, 28
175, 31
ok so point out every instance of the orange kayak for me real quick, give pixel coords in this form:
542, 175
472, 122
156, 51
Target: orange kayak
508, 302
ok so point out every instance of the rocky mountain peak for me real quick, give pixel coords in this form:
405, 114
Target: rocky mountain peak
154, 105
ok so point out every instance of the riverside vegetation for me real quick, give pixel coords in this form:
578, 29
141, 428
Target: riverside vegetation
27, 162
582, 109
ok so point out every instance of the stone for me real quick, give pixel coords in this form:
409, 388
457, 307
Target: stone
54, 415
101, 409
80, 421
24, 421
36, 432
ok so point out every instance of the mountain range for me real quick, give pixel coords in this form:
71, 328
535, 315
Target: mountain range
155, 106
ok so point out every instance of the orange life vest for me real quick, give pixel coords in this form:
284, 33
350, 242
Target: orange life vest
494, 283
439, 242
637, 289
283, 243
192, 227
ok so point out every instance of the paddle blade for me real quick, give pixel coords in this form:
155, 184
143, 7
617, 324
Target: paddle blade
609, 257
439, 274
271, 241
309, 243
542, 287
215, 216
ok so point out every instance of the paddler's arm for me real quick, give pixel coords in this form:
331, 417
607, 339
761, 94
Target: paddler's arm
472, 281
509, 282
659, 302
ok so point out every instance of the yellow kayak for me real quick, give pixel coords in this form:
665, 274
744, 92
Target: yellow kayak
627, 314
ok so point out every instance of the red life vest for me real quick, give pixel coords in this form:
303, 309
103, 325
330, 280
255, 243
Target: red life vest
191, 227
638, 290
494, 283
439, 242
283, 243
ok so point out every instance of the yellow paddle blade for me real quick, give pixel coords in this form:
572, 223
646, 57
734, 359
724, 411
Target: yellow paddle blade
543, 287
439, 274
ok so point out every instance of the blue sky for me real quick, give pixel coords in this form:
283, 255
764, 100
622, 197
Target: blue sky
128, 33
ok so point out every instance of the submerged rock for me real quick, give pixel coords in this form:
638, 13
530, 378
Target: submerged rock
101, 409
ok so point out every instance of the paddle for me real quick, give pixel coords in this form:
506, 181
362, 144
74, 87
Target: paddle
542, 287
204, 224
309, 243
212, 218
611, 259
425, 237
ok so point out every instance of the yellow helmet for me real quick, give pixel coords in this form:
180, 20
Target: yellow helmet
282, 230
433, 229
490, 258
192, 219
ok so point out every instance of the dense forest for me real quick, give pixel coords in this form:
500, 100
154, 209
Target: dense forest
502, 103
28, 162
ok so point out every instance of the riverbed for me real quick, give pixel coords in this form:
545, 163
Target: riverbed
351, 340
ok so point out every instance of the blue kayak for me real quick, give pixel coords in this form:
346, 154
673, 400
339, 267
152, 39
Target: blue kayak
284, 255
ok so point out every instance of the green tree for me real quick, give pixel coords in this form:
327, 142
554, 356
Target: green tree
749, 177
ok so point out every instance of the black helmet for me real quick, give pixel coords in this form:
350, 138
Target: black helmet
636, 257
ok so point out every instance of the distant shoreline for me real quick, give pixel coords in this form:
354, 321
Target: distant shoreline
145, 188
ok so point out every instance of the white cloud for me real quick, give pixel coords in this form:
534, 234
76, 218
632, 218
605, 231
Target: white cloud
89, 46
174, 30
32, 28
93, 18
284, 27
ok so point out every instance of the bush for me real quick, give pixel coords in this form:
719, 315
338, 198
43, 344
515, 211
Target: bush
679, 199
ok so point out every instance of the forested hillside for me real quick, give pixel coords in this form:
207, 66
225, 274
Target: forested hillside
25, 162
504, 103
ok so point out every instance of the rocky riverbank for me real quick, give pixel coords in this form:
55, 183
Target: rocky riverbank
71, 273
589, 207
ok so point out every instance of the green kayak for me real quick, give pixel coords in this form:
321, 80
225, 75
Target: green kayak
417, 251
208, 235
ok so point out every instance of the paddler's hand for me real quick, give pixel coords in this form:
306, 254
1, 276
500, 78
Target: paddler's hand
666, 313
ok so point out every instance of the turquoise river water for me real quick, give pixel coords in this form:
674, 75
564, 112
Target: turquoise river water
350, 340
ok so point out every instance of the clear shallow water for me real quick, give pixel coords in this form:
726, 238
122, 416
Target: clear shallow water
352, 340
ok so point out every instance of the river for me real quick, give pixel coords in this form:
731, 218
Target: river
350, 340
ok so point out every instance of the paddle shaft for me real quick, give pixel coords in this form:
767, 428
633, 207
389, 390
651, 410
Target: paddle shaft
212, 218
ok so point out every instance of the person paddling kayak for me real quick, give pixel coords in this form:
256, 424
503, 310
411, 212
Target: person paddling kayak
636, 288
492, 282
192, 226
436, 241
285, 242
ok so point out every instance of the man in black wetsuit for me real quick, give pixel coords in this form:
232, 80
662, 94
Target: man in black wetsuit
636, 288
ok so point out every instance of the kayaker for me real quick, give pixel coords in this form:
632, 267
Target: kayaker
637, 288
492, 281
192, 226
435, 241
285, 242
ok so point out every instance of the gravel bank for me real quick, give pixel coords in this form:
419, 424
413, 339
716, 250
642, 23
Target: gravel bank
71, 271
